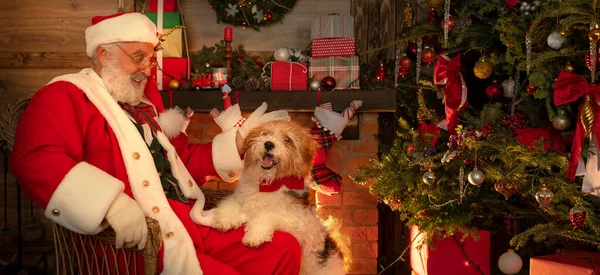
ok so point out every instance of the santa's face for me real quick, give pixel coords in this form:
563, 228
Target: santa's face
126, 72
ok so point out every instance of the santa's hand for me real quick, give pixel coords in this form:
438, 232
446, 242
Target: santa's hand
331, 120
259, 116
129, 222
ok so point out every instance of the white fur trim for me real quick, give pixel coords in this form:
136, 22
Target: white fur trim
229, 118
226, 158
82, 199
172, 122
129, 27
179, 252
331, 120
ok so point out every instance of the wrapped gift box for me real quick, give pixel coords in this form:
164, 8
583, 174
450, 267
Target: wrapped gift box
570, 263
447, 258
172, 33
289, 76
345, 70
325, 47
168, 6
332, 26
172, 67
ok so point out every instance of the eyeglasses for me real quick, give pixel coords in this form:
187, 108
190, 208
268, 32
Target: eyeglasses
151, 63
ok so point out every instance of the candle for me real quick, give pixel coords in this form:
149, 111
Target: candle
228, 33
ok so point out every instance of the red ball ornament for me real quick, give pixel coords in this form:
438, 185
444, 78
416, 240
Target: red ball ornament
403, 73
428, 56
380, 73
530, 89
493, 90
434, 17
405, 63
328, 83
577, 216
411, 49
451, 24
269, 16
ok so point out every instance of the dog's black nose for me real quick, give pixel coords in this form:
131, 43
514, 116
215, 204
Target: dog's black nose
269, 145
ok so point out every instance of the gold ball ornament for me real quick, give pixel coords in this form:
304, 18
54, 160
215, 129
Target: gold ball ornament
483, 69
434, 4
561, 122
569, 67
594, 35
429, 178
174, 84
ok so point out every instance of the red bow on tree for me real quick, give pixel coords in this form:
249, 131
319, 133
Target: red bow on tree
447, 73
568, 88
429, 133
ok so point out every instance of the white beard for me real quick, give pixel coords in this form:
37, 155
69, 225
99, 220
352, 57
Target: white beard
120, 84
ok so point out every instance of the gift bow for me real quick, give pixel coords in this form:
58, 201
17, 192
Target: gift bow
447, 73
568, 88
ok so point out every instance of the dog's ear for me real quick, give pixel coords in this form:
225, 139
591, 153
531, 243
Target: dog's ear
311, 147
252, 135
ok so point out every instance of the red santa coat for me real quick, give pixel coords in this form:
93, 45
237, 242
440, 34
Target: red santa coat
76, 150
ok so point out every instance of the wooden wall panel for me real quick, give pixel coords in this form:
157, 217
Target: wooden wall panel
387, 24
17, 82
361, 31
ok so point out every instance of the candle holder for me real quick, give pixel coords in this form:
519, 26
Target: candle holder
228, 56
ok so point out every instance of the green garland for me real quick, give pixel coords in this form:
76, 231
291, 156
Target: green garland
248, 13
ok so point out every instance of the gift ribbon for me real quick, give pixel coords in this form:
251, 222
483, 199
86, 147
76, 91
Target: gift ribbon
263, 75
568, 88
447, 73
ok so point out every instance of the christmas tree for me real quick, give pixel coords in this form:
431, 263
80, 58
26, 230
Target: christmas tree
498, 117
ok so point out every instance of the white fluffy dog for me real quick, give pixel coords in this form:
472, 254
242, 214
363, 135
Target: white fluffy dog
271, 195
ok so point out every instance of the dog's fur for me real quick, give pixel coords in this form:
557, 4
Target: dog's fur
286, 210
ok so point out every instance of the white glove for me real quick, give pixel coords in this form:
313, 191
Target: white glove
229, 118
129, 222
259, 116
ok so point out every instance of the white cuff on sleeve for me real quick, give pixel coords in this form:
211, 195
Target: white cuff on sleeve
82, 198
226, 158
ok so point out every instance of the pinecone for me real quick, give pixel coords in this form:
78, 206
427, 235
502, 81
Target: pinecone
237, 82
251, 85
265, 84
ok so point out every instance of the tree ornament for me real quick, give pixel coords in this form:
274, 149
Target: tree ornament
594, 35
405, 63
555, 40
510, 262
428, 55
544, 196
328, 83
433, 17
429, 178
411, 49
476, 177
282, 55
509, 87
507, 187
380, 73
530, 89
314, 84
561, 122
493, 90
569, 67
577, 215
434, 4
174, 84
408, 15
483, 69
588, 60
451, 23
252, 84
587, 115
269, 16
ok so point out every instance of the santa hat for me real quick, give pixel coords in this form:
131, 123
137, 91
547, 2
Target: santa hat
120, 27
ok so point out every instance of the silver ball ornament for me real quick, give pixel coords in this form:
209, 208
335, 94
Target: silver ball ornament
537, 3
510, 262
509, 88
561, 122
429, 177
544, 196
526, 13
314, 84
476, 177
555, 40
282, 55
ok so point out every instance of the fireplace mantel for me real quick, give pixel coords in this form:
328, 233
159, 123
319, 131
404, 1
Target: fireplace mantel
378, 101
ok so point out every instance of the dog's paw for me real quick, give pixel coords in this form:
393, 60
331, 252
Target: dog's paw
254, 238
225, 221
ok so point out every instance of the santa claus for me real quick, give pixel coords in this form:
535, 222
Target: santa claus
92, 151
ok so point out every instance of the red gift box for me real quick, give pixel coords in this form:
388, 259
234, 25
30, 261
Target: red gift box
289, 76
325, 47
168, 6
447, 258
570, 263
172, 67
